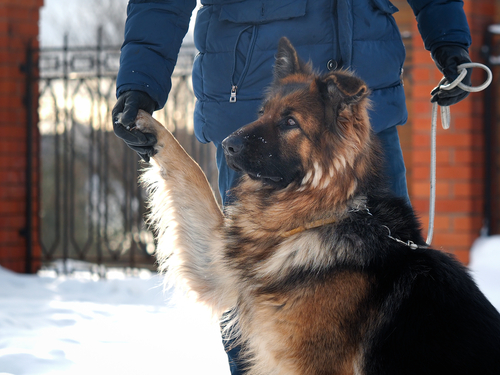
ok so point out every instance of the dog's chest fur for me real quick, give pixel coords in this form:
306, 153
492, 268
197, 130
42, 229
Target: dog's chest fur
293, 300
286, 326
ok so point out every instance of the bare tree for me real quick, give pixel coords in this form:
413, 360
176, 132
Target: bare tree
110, 15
80, 20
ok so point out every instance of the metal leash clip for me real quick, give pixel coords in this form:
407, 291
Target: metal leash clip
412, 245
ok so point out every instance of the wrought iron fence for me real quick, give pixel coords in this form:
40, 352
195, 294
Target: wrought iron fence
92, 207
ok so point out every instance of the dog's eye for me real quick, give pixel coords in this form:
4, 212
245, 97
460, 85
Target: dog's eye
261, 111
290, 122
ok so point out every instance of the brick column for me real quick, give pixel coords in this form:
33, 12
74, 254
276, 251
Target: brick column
18, 28
460, 156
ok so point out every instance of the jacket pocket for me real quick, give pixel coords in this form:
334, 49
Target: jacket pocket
258, 11
245, 19
385, 6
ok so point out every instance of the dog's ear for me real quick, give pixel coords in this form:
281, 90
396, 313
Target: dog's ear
344, 87
287, 61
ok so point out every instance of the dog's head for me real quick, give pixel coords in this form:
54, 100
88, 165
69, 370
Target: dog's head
311, 128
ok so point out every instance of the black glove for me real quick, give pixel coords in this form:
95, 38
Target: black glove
447, 58
124, 114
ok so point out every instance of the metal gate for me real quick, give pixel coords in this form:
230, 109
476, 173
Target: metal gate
92, 208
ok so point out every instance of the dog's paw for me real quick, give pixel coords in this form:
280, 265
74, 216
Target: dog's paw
145, 123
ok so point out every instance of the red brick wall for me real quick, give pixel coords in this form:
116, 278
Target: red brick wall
18, 27
460, 157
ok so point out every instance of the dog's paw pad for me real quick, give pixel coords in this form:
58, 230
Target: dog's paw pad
141, 125
143, 121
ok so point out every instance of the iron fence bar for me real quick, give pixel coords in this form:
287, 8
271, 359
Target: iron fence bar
28, 230
105, 176
71, 185
90, 169
65, 166
98, 49
84, 48
100, 193
98, 53
57, 235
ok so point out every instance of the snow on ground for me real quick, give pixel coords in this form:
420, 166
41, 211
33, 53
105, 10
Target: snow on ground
485, 267
119, 325
126, 324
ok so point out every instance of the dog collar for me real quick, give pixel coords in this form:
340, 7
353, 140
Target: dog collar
311, 225
322, 222
319, 223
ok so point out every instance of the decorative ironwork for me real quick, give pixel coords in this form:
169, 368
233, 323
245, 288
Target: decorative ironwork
92, 207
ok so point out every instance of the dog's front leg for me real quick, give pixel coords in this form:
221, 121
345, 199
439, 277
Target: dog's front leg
187, 219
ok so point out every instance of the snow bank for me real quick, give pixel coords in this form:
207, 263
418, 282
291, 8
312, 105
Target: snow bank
485, 267
125, 325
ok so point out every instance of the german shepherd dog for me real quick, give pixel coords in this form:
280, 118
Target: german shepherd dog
324, 270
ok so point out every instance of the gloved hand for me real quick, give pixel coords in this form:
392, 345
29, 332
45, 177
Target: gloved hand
447, 58
124, 113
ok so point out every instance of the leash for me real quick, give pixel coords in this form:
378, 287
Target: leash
445, 122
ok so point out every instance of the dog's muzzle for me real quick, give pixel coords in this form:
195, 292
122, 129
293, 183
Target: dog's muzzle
236, 147
233, 147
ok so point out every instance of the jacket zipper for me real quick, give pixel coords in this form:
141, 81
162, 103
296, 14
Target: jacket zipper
235, 86
232, 99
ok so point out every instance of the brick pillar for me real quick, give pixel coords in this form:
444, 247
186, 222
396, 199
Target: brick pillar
18, 28
460, 156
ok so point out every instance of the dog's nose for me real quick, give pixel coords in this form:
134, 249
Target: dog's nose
232, 145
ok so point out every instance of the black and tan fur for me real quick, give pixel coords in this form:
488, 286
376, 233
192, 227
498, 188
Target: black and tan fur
304, 256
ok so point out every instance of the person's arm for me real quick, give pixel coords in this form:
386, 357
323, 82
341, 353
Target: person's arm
441, 22
445, 32
153, 36
154, 31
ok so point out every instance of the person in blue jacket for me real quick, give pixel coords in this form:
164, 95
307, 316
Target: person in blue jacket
237, 42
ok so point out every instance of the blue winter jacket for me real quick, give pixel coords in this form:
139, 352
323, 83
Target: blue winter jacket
237, 41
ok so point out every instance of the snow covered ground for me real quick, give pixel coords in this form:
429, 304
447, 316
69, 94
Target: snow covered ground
485, 267
125, 324
119, 325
